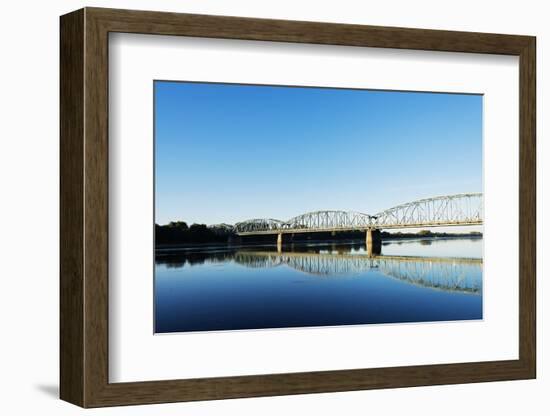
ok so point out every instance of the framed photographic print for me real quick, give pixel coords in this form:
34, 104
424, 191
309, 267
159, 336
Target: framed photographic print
255, 207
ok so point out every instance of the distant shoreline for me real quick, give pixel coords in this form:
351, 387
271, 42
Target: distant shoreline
215, 245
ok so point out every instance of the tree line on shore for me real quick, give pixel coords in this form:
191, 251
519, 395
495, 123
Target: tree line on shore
428, 233
179, 233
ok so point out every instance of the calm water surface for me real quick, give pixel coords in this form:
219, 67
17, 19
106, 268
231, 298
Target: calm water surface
317, 284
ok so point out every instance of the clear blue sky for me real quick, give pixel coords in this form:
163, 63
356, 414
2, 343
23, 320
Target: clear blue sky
226, 152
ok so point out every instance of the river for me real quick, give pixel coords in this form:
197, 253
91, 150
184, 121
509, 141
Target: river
317, 284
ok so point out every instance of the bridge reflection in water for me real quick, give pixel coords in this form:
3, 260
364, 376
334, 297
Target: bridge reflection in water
317, 284
443, 273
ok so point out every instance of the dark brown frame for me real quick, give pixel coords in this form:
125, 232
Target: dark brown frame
84, 208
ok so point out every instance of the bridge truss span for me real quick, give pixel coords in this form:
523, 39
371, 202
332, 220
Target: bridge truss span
258, 226
448, 210
330, 220
460, 209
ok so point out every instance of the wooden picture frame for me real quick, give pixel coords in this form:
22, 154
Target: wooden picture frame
84, 207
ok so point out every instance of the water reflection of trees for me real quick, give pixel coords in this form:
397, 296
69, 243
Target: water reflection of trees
191, 258
176, 258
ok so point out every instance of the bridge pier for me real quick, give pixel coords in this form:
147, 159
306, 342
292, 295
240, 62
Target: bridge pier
280, 242
374, 242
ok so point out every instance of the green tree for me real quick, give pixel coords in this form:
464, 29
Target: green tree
179, 225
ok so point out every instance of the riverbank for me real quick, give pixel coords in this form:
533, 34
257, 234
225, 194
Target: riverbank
166, 248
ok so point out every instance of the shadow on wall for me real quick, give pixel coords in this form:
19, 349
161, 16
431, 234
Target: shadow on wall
51, 390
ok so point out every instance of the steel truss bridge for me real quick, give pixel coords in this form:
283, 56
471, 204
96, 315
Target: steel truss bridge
448, 274
448, 210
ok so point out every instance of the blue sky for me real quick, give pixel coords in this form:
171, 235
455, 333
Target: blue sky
230, 152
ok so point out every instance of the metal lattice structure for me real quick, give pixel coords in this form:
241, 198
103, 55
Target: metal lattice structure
329, 220
449, 274
448, 210
461, 209
259, 226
